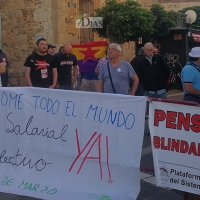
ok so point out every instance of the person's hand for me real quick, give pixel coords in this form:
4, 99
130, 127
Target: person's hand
73, 80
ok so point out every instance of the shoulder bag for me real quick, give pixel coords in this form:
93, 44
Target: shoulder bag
111, 78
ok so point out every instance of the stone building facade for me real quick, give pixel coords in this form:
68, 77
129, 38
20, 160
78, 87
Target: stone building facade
25, 21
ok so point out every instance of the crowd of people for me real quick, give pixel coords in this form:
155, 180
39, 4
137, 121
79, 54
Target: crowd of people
146, 75
148, 71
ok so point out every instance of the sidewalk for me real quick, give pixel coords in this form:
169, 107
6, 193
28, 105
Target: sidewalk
151, 192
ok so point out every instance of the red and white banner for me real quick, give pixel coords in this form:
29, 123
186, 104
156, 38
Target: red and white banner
175, 136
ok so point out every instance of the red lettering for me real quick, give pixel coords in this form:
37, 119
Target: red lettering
159, 116
107, 160
163, 144
80, 152
196, 123
192, 149
184, 147
175, 145
171, 119
156, 142
183, 121
93, 158
169, 144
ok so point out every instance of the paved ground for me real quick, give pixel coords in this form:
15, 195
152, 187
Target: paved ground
148, 189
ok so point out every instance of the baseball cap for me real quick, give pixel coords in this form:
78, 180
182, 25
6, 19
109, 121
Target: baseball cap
50, 46
195, 52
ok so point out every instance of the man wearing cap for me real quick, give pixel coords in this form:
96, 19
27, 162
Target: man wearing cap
115, 74
190, 77
51, 49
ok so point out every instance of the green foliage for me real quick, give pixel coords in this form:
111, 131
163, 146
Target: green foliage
196, 24
164, 20
123, 22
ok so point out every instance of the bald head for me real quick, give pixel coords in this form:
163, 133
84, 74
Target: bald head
67, 49
148, 49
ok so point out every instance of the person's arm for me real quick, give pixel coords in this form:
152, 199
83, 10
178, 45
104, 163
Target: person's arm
75, 70
134, 77
97, 67
55, 78
165, 68
190, 89
100, 86
75, 74
101, 79
27, 76
135, 84
55, 72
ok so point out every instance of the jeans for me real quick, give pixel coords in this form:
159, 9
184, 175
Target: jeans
65, 87
192, 98
156, 95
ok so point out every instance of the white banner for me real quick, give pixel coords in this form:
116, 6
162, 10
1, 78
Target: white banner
70, 145
175, 140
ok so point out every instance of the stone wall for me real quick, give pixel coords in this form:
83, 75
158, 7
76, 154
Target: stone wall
25, 21
64, 16
177, 4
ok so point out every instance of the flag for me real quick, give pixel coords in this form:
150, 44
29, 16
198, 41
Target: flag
89, 54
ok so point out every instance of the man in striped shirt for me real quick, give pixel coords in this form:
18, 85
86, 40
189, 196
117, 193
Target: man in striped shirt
100, 64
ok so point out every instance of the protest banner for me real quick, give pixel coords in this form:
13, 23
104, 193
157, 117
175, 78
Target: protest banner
70, 145
175, 140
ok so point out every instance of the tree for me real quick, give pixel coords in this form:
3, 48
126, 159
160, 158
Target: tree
123, 22
196, 24
163, 20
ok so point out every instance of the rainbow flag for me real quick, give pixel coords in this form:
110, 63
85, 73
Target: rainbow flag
89, 54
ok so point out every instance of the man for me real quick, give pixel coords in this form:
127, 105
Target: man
40, 67
120, 74
190, 76
101, 62
88, 80
154, 73
136, 63
4, 77
66, 65
51, 49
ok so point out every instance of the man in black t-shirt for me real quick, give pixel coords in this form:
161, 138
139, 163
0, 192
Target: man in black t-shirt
67, 68
40, 67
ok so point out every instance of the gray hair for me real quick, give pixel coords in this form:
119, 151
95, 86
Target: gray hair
148, 43
118, 47
141, 51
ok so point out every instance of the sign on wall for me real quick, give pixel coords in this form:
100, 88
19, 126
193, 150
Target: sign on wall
70, 145
175, 136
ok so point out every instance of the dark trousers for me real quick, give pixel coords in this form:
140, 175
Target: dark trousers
140, 90
190, 97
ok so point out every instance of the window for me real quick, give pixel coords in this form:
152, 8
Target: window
86, 9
